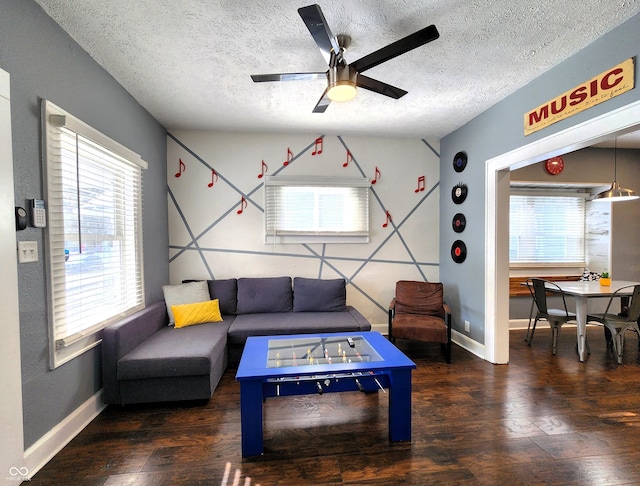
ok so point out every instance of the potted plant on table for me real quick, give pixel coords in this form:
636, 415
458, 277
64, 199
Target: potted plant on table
605, 281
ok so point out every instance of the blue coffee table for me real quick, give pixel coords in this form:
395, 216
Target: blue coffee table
280, 366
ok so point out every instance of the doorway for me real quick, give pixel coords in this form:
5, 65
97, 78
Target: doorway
596, 130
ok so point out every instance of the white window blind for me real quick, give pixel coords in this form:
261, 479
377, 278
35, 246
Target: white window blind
316, 209
547, 230
94, 232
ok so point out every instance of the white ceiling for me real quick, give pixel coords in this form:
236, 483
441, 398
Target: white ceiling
189, 62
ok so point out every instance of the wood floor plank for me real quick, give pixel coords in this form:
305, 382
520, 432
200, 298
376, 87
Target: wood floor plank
541, 419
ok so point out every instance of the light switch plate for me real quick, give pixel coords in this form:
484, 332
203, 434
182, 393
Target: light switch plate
27, 251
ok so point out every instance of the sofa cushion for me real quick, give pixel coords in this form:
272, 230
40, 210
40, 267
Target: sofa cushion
225, 290
319, 295
196, 313
295, 323
175, 352
186, 293
264, 295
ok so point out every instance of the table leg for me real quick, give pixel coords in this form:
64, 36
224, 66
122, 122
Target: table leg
581, 318
400, 405
251, 417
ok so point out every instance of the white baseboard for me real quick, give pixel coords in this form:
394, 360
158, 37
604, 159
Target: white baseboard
381, 328
523, 324
45, 448
467, 343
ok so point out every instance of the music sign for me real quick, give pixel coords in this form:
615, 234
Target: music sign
609, 84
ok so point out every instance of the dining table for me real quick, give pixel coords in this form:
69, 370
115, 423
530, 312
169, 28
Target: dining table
582, 291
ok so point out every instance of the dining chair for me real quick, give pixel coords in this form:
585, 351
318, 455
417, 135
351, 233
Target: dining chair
555, 317
418, 312
618, 324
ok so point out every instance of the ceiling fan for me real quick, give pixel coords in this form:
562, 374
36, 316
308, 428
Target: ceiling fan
342, 78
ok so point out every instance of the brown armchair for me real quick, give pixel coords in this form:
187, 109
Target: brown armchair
418, 312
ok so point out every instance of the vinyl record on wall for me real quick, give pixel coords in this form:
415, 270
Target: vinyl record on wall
459, 161
459, 193
458, 251
458, 223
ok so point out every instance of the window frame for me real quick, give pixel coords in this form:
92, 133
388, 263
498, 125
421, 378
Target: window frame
546, 193
65, 346
273, 201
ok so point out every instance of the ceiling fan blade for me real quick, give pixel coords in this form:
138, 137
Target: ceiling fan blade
396, 48
314, 19
261, 78
323, 102
379, 87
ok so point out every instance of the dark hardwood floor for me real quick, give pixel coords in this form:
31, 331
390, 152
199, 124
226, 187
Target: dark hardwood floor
542, 419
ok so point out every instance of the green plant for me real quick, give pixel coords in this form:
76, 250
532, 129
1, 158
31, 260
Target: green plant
604, 275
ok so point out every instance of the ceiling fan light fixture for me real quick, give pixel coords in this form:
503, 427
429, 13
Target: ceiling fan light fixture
342, 91
342, 83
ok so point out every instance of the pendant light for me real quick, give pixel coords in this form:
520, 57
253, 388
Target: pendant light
615, 193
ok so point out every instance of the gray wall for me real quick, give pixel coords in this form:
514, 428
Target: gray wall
498, 131
44, 62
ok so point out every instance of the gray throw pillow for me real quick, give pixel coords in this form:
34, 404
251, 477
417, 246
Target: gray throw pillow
186, 293
319, 295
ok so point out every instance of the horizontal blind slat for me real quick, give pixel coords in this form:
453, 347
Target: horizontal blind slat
94, 199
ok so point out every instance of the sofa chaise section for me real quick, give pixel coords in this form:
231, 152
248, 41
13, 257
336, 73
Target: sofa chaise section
145, 360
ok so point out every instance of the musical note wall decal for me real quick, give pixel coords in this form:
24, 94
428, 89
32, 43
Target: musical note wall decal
243, 205
377, 176
214, 178
387, 219
318, 148
181, 168
289, 157
263, 170
420, 184
349, 159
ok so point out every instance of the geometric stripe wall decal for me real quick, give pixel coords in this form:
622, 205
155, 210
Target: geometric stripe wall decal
212, 236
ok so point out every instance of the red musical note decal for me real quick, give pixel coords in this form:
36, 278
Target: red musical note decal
318, 147
243, 205
377, 176
289, 157
214, 178
181, 168
349, 159
263, 170
420, 184
387, 219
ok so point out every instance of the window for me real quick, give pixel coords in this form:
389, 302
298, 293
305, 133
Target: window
316, 210
547, 230
94, 232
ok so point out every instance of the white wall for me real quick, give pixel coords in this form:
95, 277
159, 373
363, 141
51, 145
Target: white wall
209, 239
11, 437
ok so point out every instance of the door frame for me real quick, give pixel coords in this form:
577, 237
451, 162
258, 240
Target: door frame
590, 132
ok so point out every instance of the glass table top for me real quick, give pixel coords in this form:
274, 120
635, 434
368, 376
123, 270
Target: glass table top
315, 350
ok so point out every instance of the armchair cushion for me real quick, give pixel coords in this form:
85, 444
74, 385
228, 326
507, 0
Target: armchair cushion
422, 298
420, 328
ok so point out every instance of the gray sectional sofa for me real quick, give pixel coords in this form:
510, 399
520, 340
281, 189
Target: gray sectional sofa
144, 359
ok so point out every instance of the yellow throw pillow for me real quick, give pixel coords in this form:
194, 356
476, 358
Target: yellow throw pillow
196, 313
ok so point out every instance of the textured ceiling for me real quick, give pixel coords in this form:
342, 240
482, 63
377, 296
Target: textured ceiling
189, 62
